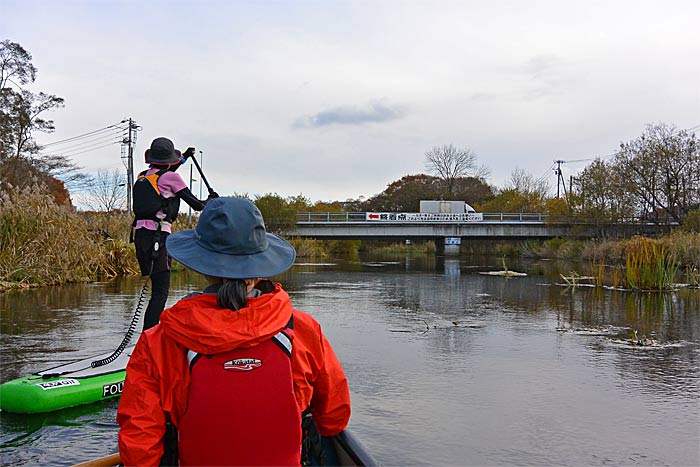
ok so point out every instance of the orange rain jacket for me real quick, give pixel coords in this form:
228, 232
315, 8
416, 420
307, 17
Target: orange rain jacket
157, 376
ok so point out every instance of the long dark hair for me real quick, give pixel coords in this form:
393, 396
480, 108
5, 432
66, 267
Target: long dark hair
232, 294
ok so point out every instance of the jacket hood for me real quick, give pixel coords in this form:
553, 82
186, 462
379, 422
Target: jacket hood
199, 324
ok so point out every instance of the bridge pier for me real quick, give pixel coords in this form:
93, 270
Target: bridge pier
448, 246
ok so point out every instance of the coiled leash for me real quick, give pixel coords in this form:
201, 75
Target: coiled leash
139, 307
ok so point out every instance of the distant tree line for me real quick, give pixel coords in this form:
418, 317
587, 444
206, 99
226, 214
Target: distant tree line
655, 176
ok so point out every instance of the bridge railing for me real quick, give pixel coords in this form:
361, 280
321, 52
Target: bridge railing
515, 217
331, 217
328, 217
531, 217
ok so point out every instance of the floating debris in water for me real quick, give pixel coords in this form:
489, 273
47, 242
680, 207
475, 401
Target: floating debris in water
462, 324
600, 331
441, 325
642, 340
576, 280
503, 273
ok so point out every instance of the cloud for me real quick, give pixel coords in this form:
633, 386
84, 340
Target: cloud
373, 112
546, 75
539, 66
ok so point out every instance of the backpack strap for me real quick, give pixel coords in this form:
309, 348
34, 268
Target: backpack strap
153, 180
283, 339
192, 357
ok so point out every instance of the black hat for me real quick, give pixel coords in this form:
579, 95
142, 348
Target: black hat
163, 152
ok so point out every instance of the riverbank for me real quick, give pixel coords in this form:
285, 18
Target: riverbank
42, 243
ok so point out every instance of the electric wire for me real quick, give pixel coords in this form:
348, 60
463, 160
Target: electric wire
83, 135
89, 149
98, 139
607, 156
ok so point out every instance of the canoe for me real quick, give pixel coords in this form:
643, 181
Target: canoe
344, 449
66, 385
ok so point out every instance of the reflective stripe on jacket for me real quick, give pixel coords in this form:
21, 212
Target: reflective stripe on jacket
158, 374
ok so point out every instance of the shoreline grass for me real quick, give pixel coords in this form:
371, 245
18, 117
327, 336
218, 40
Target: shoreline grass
42, 243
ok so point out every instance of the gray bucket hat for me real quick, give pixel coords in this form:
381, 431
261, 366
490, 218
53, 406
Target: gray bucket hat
230, 241
162, 151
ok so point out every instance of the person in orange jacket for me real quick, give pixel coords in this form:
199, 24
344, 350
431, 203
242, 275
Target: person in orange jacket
226, 376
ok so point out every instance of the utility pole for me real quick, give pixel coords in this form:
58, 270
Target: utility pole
130, 167
560, 177
129, 141
571, 183
201, 166
189, 212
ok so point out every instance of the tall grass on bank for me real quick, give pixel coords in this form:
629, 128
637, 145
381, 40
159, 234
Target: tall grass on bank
649, 265
42, 243
322, 249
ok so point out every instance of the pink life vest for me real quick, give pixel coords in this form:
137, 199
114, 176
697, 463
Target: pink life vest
241, 408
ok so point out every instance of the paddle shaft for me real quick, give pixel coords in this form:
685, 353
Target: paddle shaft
109, 461
201, 174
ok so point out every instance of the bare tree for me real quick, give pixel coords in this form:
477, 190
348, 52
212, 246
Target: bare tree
106, 191
662, 168
526, 183
450, 163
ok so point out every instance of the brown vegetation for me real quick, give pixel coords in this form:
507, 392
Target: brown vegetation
44, 243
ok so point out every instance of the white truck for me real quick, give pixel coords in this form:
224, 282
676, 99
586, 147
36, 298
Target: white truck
445, 207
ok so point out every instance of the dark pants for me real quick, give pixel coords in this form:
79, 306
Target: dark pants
156, 264
160, 285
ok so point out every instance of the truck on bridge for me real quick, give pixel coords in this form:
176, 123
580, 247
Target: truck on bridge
445, 207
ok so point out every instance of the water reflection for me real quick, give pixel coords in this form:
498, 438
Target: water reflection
446, 366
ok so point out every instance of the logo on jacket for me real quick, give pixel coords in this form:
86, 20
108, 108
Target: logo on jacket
242, 364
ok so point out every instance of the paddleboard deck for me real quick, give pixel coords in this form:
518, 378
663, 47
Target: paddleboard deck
66, 385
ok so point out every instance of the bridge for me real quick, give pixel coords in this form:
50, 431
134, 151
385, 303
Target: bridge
449, 230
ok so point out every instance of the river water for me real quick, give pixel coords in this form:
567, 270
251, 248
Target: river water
446, 366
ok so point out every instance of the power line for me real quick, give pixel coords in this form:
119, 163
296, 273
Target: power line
100, 138
581, 160
114, 125
691, 129
546, 174
82, 150
93, 148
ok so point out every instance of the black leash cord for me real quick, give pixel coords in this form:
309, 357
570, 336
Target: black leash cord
129, 333
139, 306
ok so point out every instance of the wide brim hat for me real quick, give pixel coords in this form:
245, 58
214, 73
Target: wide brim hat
230, 241
162, 151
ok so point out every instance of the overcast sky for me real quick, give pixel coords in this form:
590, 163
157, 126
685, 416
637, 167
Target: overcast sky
336, 99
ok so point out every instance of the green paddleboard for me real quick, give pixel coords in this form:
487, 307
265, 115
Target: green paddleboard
66, 385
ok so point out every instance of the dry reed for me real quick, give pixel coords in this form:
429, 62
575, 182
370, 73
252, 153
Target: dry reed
42, 243
649, 265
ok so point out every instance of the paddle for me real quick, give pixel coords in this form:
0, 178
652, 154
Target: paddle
109, 461
201, 174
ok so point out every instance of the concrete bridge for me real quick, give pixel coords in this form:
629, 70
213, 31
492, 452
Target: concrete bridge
449, 230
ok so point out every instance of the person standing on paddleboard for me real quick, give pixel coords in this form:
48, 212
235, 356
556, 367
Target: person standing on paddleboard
234, 375
156, 201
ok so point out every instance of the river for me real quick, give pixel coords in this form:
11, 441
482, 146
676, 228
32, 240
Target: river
446, 366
